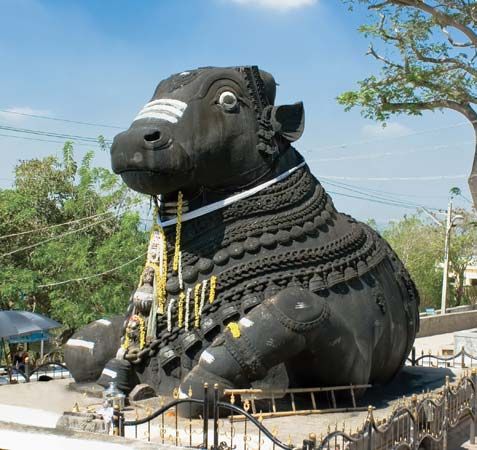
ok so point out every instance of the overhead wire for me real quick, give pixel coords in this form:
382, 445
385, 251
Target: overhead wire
53, 238
40, 140
53, 134
385, 138
422, 178
76, 280
375, 196
366, 156
58, 119
372, 200
36, 230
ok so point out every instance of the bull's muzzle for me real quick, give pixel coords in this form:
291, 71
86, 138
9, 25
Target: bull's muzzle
149, 160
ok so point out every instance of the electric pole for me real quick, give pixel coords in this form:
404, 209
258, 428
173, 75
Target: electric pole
446, 258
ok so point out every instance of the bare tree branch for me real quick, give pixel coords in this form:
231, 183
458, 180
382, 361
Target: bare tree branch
453, 42
456, 62
443, 19
466, 110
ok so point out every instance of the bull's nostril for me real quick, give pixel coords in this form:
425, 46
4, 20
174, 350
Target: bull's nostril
153, 137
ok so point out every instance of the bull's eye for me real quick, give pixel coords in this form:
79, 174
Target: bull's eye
228, 100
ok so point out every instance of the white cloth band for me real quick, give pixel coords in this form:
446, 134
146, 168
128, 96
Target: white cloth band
232, 199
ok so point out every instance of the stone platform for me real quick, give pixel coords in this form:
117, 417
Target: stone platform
42, 404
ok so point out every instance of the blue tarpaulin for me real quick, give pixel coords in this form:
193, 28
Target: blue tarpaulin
33, 337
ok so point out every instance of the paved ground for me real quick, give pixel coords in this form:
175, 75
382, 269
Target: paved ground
434, 344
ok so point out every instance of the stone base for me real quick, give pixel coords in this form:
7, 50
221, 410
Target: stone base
141, 392
89, 422
90, 389
467, 340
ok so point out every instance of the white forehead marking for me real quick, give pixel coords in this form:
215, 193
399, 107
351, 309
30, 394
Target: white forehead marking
183, 74
167, 109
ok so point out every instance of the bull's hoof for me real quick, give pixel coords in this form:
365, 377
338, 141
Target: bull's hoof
193, 386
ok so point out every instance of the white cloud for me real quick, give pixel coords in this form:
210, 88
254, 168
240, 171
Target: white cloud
392, 130
281, 5
19, 114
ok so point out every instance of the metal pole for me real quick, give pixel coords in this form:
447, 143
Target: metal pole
205, 414
473, 419
446, 259
216, 417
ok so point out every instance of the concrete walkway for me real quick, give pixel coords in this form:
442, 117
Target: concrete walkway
13, 437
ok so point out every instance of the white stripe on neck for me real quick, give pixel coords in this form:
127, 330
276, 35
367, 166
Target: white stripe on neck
229, 200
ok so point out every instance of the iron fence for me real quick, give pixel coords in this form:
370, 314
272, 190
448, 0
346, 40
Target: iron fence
422, 422
461, 359
44, 372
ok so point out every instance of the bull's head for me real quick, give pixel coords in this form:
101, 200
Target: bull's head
207, 128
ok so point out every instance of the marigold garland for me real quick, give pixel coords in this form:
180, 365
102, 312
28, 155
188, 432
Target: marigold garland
197, 305
142, 333
213, 284
180, 310
177, 248
125, 344
234, 329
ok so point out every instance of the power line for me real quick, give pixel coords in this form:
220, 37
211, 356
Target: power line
53, 134
36, 230
385, 138
59, 236
371, 200
73, 280
379, 197
40, 140
425, 178
379, 192
386, 154
40, 116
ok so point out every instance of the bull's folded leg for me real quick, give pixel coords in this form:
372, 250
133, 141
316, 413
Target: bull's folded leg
248, 349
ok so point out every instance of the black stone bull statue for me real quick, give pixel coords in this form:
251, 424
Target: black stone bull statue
270, 274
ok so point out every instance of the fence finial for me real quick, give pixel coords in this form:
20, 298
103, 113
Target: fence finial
370, 417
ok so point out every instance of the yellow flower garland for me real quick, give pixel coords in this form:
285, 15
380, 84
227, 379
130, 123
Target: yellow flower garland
234, 329
177, 248
196, 305
125, 344
180, 310
213, 284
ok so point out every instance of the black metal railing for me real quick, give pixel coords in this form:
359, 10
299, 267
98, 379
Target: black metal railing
461, 359
421, 422
206, 432
44, 372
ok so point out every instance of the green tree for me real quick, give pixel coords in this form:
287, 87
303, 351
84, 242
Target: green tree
420, 246
462, 252
52, 191
428, 50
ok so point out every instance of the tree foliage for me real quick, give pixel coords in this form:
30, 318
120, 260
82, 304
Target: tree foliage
420, 245
428, 51
52, 191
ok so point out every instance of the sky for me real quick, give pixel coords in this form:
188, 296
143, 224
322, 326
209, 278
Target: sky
99, 62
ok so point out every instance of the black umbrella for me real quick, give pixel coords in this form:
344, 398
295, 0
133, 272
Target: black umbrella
17, 323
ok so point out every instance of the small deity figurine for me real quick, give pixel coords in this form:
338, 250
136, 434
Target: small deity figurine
135, 334
143, 297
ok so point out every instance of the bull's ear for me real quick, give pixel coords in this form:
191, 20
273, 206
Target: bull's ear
288, 121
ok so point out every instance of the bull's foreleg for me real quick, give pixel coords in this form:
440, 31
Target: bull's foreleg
276, 331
